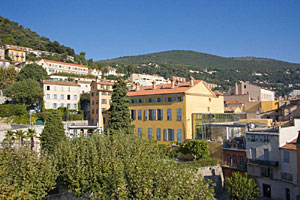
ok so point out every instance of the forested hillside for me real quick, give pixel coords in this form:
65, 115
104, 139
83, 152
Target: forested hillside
273, 74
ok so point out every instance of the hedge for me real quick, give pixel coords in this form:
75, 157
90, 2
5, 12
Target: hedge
8, 110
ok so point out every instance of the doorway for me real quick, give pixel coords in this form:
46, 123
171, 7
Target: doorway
267, 190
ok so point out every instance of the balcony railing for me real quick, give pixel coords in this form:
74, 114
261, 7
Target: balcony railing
264, 162
238, 167
229, 145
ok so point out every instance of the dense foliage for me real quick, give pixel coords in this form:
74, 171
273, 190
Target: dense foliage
26, 92
7, 76
197, 148
53, 133
239, 187
32, 71
118, 111
7, 110
273, 74
25, 175
123, 166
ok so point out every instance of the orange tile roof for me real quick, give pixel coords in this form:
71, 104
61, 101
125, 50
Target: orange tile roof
290, 146
60, 83
218, 93
4, 60
233, 102
63, 63
162, 89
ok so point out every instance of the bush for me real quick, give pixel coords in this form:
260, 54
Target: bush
240, 186
8, 110
25, 175
123, 166
197, 148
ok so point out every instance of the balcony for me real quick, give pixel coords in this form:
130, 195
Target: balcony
267, 163
230, 145
237, 167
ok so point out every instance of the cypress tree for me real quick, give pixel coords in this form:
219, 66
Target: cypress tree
119, 113
53, 133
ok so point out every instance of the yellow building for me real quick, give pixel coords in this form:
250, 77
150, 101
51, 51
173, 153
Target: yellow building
164, 112
16, 54
100, 100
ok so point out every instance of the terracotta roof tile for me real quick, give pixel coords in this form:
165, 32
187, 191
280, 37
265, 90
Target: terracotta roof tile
233, 102
290, 146
60, 83
63, 63
162, 89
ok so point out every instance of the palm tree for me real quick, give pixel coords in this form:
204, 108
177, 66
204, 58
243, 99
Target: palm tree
20, 136
31, 133
9, 137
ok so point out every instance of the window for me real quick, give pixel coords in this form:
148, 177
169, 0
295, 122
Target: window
165, 134
97, 111
48, 87
139, 114
245, 86
75, 106
48, 96
69, 89
179, 135
107, 87
208, 109
160, 114
54, 88
169, 114
286, 156
209, 99
54, 105
69, 106
152, 114
92, 94
146, 115
140, 132
93, 102
103, 93
103, 110
158, 134
69, 97
171, 134
149, 133
141, 100
179, 114
55, 96
62, 105
234, 160
102, 86
179, 99
133, 114
159, 99
75, 97
62, 97
253, 153
103, 101
266, 154
286, 176
228, 160
266, 172
241, 159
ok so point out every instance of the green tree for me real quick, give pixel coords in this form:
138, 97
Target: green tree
10, 137
25, 92
240, 187
32, 71
53, 133
197, 148
25, 175
20, 135
7, 76
118, 111
123, 166
31, 133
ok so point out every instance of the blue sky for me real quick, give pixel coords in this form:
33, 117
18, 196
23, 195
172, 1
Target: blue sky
113, 28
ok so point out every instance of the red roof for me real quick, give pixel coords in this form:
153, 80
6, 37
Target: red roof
60, 83
63, 63
290, 146
4, 60
218, 93
162, 89
233, 102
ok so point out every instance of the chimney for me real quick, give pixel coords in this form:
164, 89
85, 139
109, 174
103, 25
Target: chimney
173, 82
137, 86
191, 81
154, 85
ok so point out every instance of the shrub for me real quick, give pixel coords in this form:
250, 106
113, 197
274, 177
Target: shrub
197, 148
25, 175
240, 186
123, 166
8, 110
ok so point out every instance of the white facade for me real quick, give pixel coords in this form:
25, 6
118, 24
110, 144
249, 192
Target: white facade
2, 53
4, 63
147, 79
85, 86
52, 67
95, 72
266, 161
61, 94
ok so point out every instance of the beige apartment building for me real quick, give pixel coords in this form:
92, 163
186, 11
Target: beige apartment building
147, 79
52, 66
16, 54
100, 100
2, 53
61, 94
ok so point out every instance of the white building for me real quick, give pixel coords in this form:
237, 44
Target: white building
4, 62
95, 72
270, 164
52, 66
61, 94
147, 79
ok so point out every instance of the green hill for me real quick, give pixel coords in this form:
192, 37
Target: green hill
273, 74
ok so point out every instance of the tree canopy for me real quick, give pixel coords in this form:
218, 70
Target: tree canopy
118, 111
32, 71
7, 76
26, 92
